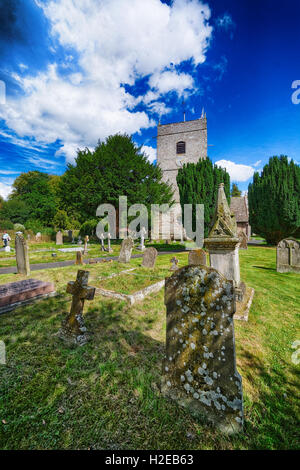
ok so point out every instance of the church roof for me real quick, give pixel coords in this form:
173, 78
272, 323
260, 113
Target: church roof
239, 206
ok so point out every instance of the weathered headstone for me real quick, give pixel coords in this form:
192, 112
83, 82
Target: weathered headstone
149, 257
79, 242
243, 239
79, 257
86, 240
22, 256
15, 294
126, 249
73, 329
197, 257
70, 235
199, 370
174, 264
59, 238
38, 237
288, 256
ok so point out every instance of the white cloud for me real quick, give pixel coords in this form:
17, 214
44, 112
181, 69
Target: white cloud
237, 172
150, 152
116, 42
171, 81
256, 164
5, 190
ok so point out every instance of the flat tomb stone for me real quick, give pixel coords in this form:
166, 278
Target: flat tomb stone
18, 292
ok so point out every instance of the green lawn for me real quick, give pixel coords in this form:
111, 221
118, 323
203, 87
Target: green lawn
105, 395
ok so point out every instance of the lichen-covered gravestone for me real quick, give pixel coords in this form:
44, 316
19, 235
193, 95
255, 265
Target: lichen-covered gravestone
22, 256
288, 256
197, 257
174, 264
243, 240
199, 369
149, 257
73, 329
126, 249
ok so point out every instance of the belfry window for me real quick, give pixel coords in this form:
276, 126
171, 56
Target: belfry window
180, 147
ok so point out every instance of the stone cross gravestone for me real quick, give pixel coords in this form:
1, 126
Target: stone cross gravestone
79, 257
73, 329
22, 256
126, 249
243, 239
15, 294
174, 264
288, 256
102, 242
79, 242
109, 248
141, 247
149, 257
59, 238
199, 370
197, 257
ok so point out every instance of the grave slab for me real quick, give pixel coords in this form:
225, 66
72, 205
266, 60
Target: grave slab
15, 294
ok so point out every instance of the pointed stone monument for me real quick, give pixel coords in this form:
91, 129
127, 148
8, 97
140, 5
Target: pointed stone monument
223, 247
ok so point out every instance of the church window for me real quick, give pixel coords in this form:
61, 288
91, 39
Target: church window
180, 147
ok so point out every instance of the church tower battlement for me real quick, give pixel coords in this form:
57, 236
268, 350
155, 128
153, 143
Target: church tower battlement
179, 143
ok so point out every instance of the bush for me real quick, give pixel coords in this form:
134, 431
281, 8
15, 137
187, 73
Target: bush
6, 225
19, 228
34, 225
61, 220
88, 228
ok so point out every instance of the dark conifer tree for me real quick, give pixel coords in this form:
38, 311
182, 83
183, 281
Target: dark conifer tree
274, 200
198, 184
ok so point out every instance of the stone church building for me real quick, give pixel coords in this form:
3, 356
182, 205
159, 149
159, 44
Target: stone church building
178, 143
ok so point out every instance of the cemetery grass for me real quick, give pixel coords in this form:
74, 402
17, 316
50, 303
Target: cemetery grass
105, 395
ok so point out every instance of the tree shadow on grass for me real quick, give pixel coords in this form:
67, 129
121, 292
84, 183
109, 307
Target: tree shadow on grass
104, 395
264, 267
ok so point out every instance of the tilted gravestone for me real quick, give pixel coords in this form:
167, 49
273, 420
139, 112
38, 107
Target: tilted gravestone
199, 370
197, 257
59, 238
73, 329
288, 256
126, 249
79, 257
14, 294
243, 240
22, 256
149, 257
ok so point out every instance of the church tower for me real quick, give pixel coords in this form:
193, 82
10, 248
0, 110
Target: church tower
179, 143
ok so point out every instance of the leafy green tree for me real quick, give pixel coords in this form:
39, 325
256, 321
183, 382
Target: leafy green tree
37, 193
274, 200
61, 220
15, 210
115, 168
88, 228
198, 184
235, 191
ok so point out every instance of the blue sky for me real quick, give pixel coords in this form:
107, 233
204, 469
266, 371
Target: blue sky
77, 71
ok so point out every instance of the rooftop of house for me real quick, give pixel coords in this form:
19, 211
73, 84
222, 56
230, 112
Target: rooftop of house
239, 206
